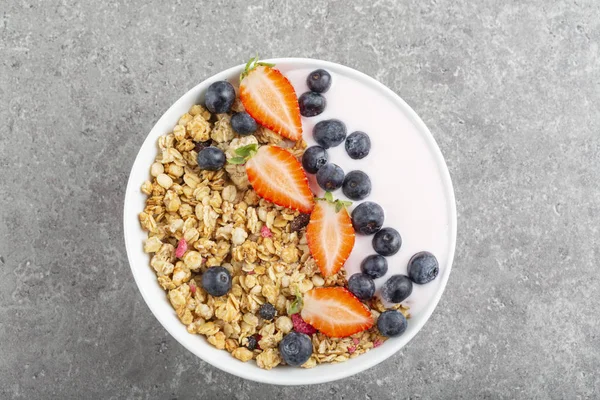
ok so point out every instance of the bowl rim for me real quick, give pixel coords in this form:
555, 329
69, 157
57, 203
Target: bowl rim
425, 314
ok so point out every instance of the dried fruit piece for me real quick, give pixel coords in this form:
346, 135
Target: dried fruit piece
301, 326
265, 232
299, 222
182, 247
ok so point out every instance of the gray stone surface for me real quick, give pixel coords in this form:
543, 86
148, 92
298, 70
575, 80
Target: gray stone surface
510, 90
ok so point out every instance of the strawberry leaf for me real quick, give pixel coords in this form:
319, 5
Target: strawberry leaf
251, 64
237, 160
338, 206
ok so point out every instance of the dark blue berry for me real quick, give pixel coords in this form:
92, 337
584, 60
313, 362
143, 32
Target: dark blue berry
216, 281
357, 185
423, 267
361, 286
314, 158
295, 348
387, 242
330, 177
329, 133
252, 343
367, 218
219, 97
358, 145
311, 104
267, 311
391, 323
396, 289
319, 81
211, 158
243, 124
374, 266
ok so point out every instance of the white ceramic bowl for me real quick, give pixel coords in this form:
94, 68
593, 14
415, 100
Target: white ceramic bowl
436, 213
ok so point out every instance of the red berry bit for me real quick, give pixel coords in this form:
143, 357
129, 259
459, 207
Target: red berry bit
258, 338
351, 349
182, 247
301, 326
265, 232
377, 343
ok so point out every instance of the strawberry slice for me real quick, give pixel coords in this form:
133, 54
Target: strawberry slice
335, 312
276, 175
330, 234
270, 99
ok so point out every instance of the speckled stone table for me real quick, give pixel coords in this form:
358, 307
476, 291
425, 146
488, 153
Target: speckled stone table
510, 90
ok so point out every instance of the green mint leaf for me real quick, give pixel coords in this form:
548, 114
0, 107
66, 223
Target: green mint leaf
237, 160
247, 150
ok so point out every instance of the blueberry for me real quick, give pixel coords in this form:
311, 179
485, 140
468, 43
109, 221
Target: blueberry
311, 104
216, 281
357, 185
367, 218
314, 158
330, 177
391, 323
252, 343
211, 158
361, 286
267, 311
329, 133
319, 81
243, 124
374, 266
219, 97
295, 348
396, 289
358, 145
423, 267
387, 242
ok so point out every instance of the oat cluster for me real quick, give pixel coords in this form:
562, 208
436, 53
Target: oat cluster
224, 223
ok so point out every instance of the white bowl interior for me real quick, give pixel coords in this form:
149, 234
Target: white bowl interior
156, 298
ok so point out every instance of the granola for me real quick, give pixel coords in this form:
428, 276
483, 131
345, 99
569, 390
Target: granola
197, 219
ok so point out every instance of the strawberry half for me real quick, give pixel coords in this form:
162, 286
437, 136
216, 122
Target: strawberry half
330, 234
270, 99
335, 312
276, 175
